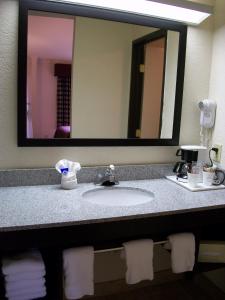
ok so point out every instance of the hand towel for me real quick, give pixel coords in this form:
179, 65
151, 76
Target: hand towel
32, 292
25, 276
28, 295
182, 252
24, 285
78, 264
139, 260
25, 262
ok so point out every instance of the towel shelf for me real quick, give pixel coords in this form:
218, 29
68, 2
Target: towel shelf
121, 248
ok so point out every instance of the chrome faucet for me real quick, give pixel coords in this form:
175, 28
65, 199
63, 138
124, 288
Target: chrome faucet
108, 178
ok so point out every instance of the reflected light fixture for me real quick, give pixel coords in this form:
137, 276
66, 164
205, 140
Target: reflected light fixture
185, 11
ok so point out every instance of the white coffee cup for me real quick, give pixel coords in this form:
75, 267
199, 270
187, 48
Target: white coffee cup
193, 179
208, 178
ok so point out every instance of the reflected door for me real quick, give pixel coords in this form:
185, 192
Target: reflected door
153, 89
146, 101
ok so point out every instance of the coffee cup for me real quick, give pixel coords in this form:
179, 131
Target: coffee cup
216, 177
208, 178
193, 179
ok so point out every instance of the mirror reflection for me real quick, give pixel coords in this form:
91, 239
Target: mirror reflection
92, 78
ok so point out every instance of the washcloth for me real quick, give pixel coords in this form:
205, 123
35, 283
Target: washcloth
25, 276
24, 285
182, 252
32, 292
78, 264
24, 262
139, 260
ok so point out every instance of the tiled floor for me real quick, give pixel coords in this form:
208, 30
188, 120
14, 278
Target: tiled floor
200, 289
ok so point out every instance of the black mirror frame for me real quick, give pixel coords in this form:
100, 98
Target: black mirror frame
86, 11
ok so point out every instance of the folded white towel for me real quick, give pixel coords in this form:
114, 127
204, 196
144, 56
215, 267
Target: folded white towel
24, 285
182, 252
139, 260
32, 292
28, 295
25, 276
25, 262
78, 266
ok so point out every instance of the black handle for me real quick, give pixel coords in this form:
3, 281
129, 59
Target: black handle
219, 181
178, 153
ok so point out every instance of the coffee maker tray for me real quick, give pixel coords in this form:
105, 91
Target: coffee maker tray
198, 188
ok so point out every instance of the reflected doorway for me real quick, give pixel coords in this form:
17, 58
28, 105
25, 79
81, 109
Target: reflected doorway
147, 86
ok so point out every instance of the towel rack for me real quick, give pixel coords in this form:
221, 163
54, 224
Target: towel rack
121, 248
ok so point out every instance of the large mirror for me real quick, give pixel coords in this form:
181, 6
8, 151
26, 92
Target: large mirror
94, 77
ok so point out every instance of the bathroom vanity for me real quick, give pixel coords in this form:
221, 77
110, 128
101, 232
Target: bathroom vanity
51, 219
37, 213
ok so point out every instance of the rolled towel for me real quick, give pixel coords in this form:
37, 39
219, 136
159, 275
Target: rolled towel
24, 285
28, 295
25, 276
139, 260
25, 262
78, 264
182, 252
32, 292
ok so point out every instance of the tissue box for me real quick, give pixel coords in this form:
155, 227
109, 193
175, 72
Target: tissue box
212, 252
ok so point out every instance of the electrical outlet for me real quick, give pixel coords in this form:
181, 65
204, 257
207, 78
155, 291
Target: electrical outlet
217, 156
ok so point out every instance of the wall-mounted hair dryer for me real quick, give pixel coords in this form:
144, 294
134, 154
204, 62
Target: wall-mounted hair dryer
207, 120
208, 113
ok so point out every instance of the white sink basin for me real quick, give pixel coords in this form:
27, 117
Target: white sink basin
118, 196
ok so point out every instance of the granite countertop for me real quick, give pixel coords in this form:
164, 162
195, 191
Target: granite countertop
32, 207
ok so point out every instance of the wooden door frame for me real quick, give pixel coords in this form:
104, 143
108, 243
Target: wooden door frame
137, 81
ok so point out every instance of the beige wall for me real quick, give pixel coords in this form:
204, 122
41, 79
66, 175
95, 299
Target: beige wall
217, 79
101, 78
196, 82
172, 46
195, 88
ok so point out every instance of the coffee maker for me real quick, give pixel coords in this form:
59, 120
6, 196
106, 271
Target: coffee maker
188, 154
